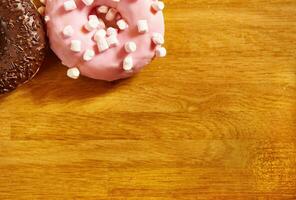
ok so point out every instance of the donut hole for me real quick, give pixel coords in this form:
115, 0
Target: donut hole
108, 23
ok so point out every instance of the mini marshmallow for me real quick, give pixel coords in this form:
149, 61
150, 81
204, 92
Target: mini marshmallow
158, 5
87, 2
88, 55
112, 40
92, 23
46, 18
160, 51
142, 26
73, 73
128, 63
92, 17
70, 5
99, 34
157, 38
101, 24
122, 25
130, 47
111, 14
102, 9
102, 44
75, 45
68, 31
111, 31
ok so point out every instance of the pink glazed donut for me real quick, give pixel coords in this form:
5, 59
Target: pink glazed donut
105, 39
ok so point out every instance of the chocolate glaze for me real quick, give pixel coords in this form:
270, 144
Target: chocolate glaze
22, 43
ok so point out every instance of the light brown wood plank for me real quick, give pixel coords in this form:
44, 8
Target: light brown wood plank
149, 168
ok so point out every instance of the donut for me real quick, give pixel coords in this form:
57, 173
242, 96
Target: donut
105, 39
22, 43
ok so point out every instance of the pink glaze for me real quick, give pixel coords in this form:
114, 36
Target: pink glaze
105, 65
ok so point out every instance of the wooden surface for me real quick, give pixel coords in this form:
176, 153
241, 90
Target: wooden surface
215, 119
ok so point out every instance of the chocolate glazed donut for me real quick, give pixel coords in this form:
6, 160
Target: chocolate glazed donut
22, 43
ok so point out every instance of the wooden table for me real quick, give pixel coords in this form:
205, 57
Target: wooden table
215, 119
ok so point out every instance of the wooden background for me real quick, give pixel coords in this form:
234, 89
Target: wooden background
215, 119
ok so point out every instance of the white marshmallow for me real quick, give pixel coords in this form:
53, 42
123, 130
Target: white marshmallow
73, 73
70, 5
111, 31
157, 38
122, 25
75, 45
158, 5
68, 31
99, 34
142, 26
112, 40
111, 14
88, 55
128, 63
160, 51
102, 9
92, 17
92, 23
102, 44
46, 18
130, 47
87, 2
95, 19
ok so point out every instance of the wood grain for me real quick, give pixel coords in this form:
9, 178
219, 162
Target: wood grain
215, 119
